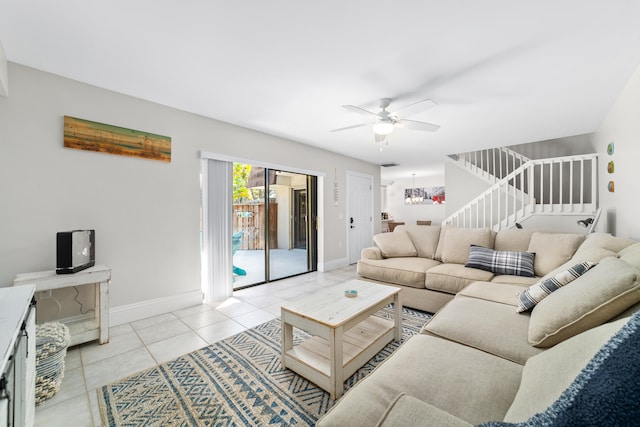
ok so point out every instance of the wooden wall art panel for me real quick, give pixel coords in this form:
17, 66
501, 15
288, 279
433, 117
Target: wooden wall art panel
92, 136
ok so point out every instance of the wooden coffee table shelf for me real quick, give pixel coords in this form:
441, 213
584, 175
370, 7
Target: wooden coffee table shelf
345, 334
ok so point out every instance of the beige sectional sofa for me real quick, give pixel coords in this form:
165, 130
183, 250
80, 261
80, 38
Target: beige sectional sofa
479, 360
429, 261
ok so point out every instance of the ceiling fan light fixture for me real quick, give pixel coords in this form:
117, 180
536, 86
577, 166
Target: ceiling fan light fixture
383, 128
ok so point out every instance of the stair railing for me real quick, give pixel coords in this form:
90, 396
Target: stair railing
555, 186
491, 164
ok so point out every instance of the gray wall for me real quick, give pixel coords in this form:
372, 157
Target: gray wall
569, 146
146, 213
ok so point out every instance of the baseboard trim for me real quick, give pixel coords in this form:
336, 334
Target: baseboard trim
141, 310
332, 265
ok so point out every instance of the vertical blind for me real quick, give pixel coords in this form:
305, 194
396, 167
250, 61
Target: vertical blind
217, 230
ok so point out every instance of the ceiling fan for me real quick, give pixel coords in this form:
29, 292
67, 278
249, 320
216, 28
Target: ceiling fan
385, 121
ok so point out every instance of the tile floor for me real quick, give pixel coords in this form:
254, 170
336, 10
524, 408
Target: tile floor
140, 345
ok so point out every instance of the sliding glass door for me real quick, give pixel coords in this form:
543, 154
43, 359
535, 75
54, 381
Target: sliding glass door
274, 224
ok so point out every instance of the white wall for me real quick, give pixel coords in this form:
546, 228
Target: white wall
4, 80
398, 211
462, 187
621, 209
146, 213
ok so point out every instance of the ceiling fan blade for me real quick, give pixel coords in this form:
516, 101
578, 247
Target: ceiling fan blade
350, 127
413, 124
416, 107
360, 110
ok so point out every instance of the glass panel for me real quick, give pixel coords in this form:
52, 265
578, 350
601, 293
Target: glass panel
249, 233
272, 237
289, 236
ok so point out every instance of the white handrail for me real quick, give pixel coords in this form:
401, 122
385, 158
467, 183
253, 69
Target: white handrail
492, 163
557, 185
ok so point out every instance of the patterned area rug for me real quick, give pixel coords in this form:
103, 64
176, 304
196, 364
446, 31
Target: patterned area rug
235, 382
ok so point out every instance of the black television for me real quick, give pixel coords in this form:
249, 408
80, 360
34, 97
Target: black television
75, 251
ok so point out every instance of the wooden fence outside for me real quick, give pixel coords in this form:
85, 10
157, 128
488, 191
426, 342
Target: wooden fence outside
250, 219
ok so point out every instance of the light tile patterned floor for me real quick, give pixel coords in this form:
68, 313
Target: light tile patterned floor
145, 343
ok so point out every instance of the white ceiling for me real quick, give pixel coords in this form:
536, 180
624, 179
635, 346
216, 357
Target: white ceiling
503, 72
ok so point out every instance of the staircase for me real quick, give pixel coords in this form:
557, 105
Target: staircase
523, 187
491, 164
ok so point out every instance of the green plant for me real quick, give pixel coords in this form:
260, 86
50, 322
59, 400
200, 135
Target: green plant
240, 177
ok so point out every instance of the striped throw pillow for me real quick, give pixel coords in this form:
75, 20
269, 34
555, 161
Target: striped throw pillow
536, 293
501, 262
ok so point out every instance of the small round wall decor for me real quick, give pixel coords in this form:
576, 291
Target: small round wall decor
611, 187
610, 149
610, 167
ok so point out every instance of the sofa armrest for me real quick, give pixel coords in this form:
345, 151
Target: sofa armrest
406, 410
372, 252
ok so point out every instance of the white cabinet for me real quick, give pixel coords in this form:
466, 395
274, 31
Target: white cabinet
18, 352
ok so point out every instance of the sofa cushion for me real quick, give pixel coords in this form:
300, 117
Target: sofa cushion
515, 280
489, 326
401, 271
443, 232
406, 410
604, 241
603, 292
452, 278
514, 239
396, 244
553, 249
457, 379
557, 373
592, 254
424, 238
478, 236
536, 293
503, 293
501, 262
631, 255
455, 248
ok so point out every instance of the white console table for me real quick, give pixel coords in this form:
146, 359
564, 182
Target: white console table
100, 276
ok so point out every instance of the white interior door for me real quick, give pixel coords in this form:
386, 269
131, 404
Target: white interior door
359, 213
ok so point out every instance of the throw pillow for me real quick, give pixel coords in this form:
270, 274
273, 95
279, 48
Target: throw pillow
606, 391
424, 238
631, 255
395, 244
604, 292
535, 293
553, 249
501, 262
456, 241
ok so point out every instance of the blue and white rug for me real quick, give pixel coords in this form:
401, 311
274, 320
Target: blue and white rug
235, 382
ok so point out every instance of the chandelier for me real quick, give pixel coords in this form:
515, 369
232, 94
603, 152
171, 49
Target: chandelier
413, 198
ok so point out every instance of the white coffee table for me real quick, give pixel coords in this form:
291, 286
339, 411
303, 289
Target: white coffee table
345, 334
